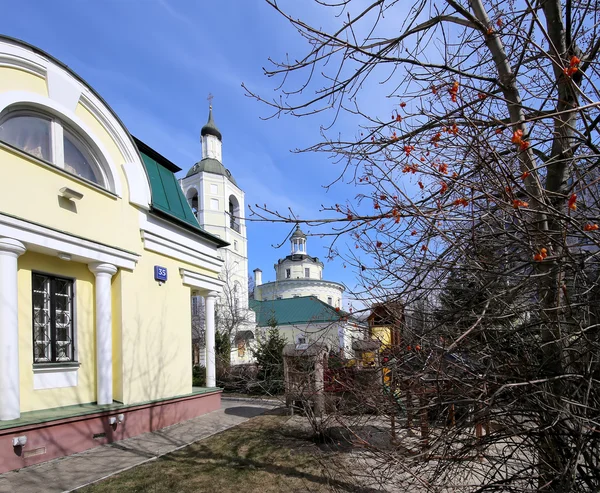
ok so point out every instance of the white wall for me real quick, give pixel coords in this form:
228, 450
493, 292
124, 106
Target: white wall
301, 287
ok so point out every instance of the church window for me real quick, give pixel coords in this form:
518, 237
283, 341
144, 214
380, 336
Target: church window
279, 297
330, 300
214, 204
50, 140
288, 273
306, 272
241, 349
52, 301
236, 296
234, 213
195, 306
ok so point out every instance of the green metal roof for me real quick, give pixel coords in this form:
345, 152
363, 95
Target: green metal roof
292, 311
167, 197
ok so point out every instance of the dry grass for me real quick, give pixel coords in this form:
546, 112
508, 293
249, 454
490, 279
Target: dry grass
262, 455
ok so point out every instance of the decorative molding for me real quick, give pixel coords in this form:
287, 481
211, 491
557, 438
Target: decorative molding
14, 55
55, 377
163, 237
53, 107
100, 268
49, 241
202, 281
302, 282
62, 88
137, 181
20, 58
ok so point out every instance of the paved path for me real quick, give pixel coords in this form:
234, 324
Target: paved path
72, 472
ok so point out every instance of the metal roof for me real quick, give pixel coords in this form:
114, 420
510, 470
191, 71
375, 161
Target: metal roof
295, 311
167, 197
211, 128
210, 165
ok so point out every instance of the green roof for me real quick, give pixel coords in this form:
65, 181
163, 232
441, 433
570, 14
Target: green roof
295, 311
167, 197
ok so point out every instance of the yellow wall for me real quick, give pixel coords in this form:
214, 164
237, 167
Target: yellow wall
383, 335
32, 400
151, 323
97, 216
18, 80
35, 197
157, 352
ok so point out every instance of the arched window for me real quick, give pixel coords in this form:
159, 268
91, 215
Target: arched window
237, 293
192, 197
49, 139
234, 213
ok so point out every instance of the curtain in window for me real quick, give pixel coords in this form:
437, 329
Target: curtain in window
78, 160
28, 133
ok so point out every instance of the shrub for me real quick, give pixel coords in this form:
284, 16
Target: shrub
198, 376
269, 358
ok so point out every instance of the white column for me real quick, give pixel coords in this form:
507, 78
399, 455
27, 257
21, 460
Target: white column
209, 337
10, 405
103, 273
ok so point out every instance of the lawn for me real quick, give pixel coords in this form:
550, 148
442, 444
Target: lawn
261, 455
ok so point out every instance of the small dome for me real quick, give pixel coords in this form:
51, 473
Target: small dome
298, 233
210, 128
210, 165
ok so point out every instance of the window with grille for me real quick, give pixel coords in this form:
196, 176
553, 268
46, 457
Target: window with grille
52, 319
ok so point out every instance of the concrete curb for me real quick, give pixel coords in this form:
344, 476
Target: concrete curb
258, 400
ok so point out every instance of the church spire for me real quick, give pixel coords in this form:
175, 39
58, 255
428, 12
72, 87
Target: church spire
211, 137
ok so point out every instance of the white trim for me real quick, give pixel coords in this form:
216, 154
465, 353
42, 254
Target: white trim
201, 281
50, 106
163, 237
18, 57
137, 181
10, 249
62, 88
48, 241
305, 282
15, 55
55, 378
104, 347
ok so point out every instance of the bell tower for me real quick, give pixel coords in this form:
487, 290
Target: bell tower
218, 203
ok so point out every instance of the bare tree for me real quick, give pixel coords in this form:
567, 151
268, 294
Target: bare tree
233, 319
477, 189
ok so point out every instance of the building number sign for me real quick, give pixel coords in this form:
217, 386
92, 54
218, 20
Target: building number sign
160, 273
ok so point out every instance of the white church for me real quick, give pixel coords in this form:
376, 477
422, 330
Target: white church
307, 307
218, 203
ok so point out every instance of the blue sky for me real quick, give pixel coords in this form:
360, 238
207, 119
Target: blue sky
156, 61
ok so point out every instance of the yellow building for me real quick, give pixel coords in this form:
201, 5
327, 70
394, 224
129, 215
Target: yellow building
99, 257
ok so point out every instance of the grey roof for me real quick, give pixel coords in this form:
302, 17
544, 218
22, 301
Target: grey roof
304, 350
366, 345
211, 128
298, 233
210, 165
